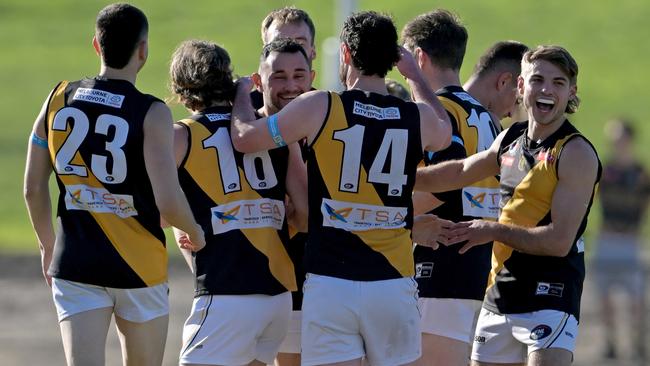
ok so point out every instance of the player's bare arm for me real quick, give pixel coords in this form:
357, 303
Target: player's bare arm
301, 118
159, 161
36, 190
455, 174
296, 184
577, 171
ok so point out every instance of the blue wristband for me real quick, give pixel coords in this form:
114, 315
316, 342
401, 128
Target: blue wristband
274, 130
39, 141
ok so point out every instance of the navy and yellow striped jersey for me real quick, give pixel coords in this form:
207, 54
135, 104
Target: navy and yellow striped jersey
361, 170
519, 282
238, 199
108, 225
444, 273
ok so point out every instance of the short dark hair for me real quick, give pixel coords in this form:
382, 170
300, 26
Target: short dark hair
372, 40
288, 14
201, 74
561, 58
502, 56
440, 35
119, 28
284, 45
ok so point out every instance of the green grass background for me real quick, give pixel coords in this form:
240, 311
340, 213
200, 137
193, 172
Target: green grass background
42, 42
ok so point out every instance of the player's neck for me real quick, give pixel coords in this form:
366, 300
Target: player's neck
368, 83
540, 131
473, 88
118, 74
439, 78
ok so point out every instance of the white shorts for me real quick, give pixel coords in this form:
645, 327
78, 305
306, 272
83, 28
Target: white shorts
136, 305
235, 329
451, 318
291, 343
510, 338
343, 320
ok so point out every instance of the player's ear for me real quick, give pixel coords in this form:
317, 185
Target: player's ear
520, 85
312, 75
96, 46
143, 50
345, 53
257, 80
421, 57
503, 80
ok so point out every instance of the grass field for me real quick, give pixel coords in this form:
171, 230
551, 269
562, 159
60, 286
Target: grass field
44, 42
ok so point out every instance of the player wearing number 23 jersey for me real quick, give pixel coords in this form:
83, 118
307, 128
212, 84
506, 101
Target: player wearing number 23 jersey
109, 225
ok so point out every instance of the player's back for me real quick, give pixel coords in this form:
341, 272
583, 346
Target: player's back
361, 170
444, 273
109, 229
238, 199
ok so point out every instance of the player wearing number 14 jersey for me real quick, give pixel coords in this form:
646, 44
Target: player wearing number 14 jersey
364, 147
109, 146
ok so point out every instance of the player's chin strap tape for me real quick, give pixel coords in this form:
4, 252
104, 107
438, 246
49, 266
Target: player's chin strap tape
39, 141
272, 124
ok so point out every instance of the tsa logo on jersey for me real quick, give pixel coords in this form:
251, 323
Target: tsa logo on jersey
466, 97
359, 217
481, 202
99, 200
372, 111
99, 97
248, 214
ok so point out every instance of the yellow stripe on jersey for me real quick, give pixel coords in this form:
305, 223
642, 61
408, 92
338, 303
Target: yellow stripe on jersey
141, 250
530, 202
200, 164
394, 244
469, 135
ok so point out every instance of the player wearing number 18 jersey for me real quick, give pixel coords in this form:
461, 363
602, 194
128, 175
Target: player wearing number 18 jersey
109, 146
244, 274
364, 149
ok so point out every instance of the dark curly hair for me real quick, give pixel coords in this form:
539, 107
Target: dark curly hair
372, 40
201, 74
440, 35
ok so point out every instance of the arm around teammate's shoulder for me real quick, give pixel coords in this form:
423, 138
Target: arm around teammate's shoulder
161, 168
301, 118
455, 174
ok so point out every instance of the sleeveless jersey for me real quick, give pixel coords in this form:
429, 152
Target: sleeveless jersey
519, 282
361, 170
238, 199
108, 225
444, 273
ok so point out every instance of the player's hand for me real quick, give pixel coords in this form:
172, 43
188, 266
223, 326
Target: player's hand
429, 229
475, 232
46, 259
407, 65
245, 83
193, 242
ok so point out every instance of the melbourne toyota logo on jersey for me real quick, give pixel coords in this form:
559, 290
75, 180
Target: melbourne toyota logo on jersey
351, 216
99, 97
99, 200
481, 202
248, 214
372, 111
